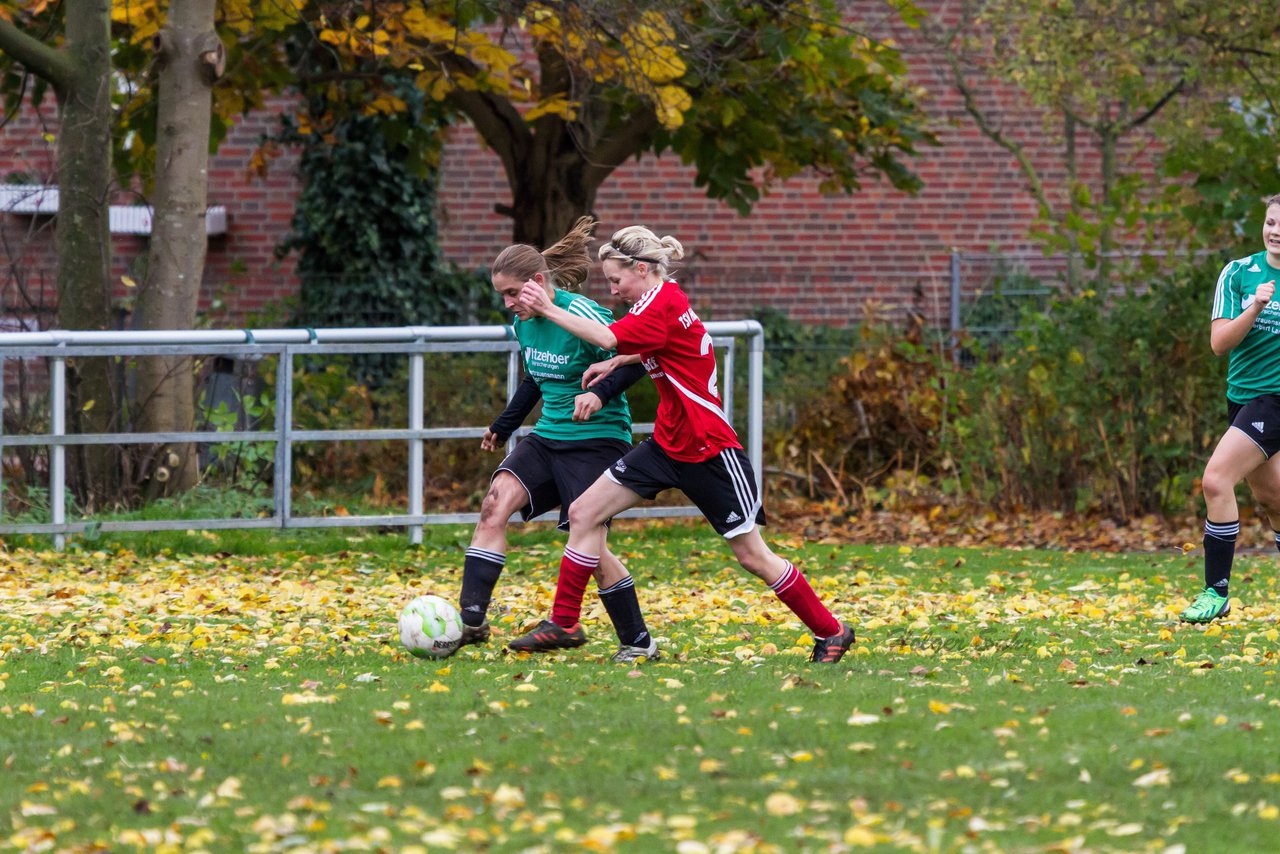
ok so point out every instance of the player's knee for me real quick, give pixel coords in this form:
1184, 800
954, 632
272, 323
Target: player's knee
583, 515
1217, 485
1269, 500
496, 507
757, 561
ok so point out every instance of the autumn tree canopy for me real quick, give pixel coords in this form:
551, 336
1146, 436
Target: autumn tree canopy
563, 93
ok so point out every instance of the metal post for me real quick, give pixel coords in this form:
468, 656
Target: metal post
727, 391
513, 382
283, 480
755, 406
2, 406
416, 422
955, 305
57, 450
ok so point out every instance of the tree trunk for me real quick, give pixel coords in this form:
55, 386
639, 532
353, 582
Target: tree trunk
190, 59
83, 242
548, 198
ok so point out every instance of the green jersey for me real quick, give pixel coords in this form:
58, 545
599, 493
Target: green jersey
555, 359
1254, 366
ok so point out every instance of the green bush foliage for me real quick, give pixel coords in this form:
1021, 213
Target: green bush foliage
366, 235
1095, 405
873, 437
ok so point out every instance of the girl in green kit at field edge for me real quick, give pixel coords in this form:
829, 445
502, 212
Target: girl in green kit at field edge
1246, 324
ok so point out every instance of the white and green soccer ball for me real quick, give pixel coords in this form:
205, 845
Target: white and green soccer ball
430, 627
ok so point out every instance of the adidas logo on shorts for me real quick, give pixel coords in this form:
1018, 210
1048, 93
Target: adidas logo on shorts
620, 466
733, 517
1258, 425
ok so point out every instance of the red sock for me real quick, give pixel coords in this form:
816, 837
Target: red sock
794, 591
575, 571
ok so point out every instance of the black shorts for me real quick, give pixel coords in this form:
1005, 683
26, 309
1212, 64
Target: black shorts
555, 472
1259, 419
723, 487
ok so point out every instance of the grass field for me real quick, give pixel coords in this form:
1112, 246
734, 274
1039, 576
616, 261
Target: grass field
204, 693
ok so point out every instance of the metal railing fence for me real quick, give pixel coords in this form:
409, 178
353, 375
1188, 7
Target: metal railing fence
414, 342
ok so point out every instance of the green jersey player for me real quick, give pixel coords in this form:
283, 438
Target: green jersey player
1246, 325
578, 436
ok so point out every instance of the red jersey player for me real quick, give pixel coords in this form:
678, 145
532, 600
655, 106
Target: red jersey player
693, 448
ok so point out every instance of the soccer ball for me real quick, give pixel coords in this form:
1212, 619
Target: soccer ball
430, 627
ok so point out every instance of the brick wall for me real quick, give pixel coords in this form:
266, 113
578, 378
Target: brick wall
243, 279
819, 258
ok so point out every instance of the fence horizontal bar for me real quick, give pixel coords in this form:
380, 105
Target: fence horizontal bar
633, 513
305, 522
207, 437
27, 440
138, 525
60, 342
152, 337
249, 350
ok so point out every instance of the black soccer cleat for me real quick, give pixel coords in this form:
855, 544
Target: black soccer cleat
474, 634
832, 649
547, 637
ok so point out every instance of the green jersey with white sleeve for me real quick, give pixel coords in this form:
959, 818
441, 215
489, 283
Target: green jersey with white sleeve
1254, 366
555, 359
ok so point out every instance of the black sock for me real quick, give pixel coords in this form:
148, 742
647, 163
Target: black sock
480, 571
1219, 551
1278, 541
624, 610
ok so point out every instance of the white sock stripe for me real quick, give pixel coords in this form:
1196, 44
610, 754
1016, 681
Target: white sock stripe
788, 578
621, 585
580, 558
1222, 530
485, 554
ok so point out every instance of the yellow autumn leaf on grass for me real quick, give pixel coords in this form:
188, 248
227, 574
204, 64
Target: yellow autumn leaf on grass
781, 803
859, 837
229, 788
307, 699
1159, 777
939, 708
508, 797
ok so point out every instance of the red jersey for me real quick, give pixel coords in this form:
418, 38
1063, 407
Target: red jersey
676, 351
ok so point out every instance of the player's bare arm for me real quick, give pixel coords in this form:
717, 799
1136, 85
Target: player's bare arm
1226, 334
534, 298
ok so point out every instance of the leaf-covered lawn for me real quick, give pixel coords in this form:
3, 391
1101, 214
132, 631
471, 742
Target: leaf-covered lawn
996, 700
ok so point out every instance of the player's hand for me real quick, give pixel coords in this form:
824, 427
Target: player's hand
533, 296
594, 373
1266, 291
585, 405
491, 442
